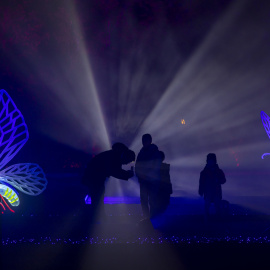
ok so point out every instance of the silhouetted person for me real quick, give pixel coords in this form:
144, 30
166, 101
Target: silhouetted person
211, 179
102, 166
147, 169
165, 188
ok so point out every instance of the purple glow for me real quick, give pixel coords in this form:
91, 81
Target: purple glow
13, 130
116, 200
27, 177
266, 123
139, 240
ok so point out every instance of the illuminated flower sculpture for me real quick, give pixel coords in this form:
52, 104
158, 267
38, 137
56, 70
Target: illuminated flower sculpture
266, 124
28, 178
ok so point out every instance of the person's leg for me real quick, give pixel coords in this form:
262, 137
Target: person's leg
217, 204
154, 200
144, 194
207, 204
97, 201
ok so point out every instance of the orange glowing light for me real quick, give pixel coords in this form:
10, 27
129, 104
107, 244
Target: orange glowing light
183, 121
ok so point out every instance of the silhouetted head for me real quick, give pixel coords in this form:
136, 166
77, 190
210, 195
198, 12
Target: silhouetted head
211, 159
119, 147
162, 155
128, 156
146, 139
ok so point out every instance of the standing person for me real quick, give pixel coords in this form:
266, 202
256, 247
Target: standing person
211, 179
102, 166
147, 169
165, 190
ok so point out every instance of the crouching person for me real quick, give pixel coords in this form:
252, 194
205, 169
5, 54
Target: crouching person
101, 167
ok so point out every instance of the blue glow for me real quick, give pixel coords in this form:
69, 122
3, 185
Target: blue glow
116, 200
266, 123
26, 177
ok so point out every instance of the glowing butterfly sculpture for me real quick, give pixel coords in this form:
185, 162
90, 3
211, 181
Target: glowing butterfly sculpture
266, 123
28, 178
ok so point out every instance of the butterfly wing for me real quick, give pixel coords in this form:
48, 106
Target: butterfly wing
13, 130
266, 123
29, 178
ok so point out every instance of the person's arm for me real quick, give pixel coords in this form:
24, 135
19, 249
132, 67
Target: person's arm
115, 168
122, 174
222, 179
137, 168
138, 165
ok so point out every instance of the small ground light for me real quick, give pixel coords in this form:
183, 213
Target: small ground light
183, 122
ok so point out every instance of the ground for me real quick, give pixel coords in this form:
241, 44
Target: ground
121, 240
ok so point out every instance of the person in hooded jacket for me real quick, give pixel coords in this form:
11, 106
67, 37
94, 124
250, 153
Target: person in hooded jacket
147, 169
102, 166
211, 179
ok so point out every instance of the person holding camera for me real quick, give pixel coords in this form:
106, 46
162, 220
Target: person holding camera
102, 166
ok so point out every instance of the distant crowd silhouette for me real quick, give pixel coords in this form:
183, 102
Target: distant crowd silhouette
153, 177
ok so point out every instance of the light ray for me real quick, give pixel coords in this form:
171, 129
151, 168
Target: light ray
205, 92
69, 93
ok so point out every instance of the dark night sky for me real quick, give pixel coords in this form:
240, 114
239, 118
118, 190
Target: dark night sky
33, 31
